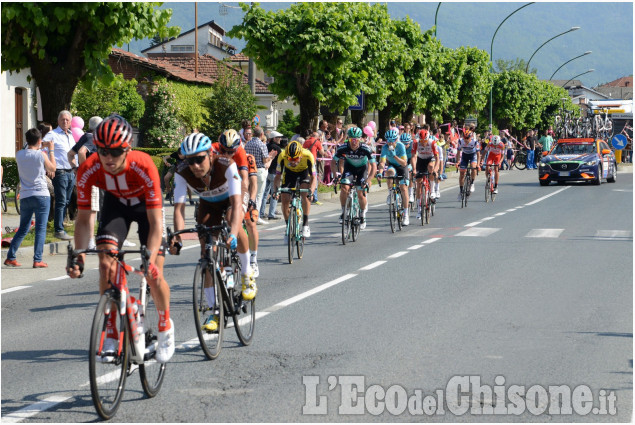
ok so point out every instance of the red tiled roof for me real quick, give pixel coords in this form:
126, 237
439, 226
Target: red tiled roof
239, 57
620, 82
182, 67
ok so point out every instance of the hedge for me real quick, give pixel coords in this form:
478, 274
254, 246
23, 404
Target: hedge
10, 176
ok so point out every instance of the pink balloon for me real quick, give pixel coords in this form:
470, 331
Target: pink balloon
77, 133
368, 131
372, 125
77, 122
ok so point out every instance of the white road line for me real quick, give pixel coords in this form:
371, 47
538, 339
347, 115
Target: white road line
415, 247
476, 223
34, 409
519, 207
333, 215
478, 231
544, 233
315, 290
499, 214
511, 209
547, 196
431, 240
398, 254
188, 247
59, 278
487, 218
15, 288
334, 235
373, 265
278, 227
377, 206
614, 234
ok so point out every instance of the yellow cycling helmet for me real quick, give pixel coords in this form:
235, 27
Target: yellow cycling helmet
294, 150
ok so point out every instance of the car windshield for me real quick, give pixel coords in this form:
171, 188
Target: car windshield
573, 149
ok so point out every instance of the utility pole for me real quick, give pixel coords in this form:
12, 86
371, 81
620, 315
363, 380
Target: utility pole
252, 71
195, 40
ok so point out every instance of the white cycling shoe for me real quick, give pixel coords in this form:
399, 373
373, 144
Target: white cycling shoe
165, 348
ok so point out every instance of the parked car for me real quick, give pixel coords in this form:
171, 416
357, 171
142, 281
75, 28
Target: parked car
588, 160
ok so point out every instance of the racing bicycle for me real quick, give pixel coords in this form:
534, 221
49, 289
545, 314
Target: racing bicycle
427, 204
395, 207
467, 182
219, 269
352, 215
295, 240
489, 184
135, 323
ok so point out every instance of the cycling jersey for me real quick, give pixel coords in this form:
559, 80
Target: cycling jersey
426, 150
224, 181
240, 156
139, 181
306, 162
409, 150
470, 146
355, 158
389, 155
496, 148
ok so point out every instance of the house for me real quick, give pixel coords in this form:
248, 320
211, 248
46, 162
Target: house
580, 94
622, 88
180, 67
210, 42
19, 110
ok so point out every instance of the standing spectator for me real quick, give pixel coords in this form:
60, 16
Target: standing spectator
83, 149
509, 151
258, 149
546, 140
274, 149
34, 195
314, 144
64, 179
530, 141
339, 135
245, 124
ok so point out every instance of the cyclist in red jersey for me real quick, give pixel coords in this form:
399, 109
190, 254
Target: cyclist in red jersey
133, 193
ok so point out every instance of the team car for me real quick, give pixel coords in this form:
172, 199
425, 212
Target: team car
588, 160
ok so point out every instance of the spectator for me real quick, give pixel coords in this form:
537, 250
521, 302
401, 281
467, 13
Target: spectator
34, 195
64, 179
258, 149
339, 135
245, 125
546, 140
314, 144
531, 145
274, 149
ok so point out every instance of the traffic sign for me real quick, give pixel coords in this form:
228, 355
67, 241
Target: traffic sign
256, 120
360, 103
619, 141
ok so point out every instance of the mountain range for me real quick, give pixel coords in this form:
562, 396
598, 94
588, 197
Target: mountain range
606, 29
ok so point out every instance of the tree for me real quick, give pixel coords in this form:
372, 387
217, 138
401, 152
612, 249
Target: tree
188, 98
476, 81
310, 49
160, 127
102, 99
518, 64
288, 123
63, 43
230, 102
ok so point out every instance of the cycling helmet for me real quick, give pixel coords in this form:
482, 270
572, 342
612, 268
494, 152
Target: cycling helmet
230, 139
354, 132
391, 136
195, 143
467, 134
113, 132
496, 139
294, 150
405, 138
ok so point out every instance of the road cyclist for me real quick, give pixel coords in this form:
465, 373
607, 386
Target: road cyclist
495, 151
469, 151
214, 176
354, 162
393, 162
407, 140
296, 163
132, 193
425, 163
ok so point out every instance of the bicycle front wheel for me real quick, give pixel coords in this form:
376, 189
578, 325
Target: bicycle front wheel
346, 221
4, 202
398, 210
107, 370
487, 189
521, 160
392, 212
299, 243
17, 197
211, 341
291, 231
428, 203
355, 219
244, 311
151, 372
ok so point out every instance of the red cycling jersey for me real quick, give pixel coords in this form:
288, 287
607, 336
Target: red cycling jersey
240, 156
138, 182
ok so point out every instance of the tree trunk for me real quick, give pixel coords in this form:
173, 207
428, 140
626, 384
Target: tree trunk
56, 86
358, 117
384, 118
407, 115
309, 108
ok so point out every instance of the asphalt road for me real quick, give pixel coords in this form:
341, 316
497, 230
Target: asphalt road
534, 289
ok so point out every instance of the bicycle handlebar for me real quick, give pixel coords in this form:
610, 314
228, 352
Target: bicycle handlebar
73, 254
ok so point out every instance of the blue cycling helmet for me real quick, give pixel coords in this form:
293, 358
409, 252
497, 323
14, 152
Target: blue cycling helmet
405, 138
391, 136
195, 143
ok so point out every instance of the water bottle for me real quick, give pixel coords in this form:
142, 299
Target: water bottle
230, 277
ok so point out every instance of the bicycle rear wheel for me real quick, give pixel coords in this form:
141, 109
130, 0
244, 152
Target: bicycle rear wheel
355, 221
299, 243
17, 197
346, 221
521, 160
107, 372
399, 210
244, 311
4, 202
428, 208
211, 341
392, 213
151, 372
291, 231
487, 189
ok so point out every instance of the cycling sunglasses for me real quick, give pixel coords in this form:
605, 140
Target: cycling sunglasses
115, 153
196, 159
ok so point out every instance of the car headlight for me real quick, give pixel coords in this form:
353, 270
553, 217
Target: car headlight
591, 162
542, 164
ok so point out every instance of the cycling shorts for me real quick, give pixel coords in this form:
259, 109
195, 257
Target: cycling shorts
401, 172
466, 159
354, 174
493, 158
211, 213
115, 221
422, 166
290, 178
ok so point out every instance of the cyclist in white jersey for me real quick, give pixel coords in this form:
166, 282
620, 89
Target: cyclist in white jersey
469, 149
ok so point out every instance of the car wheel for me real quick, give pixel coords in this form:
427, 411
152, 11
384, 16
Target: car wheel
544, 182
598, 179
613, 177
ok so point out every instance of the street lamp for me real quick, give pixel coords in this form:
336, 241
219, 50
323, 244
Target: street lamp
491, 59
556, 36
435, 20
583, 54
573, 78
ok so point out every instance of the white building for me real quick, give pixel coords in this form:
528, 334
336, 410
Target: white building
18, 110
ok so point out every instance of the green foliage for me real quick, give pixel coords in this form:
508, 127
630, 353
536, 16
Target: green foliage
229, 102
476, 81
63, 43
189, 104
518, 64
101, 99
160, 126
288, 123
10, 176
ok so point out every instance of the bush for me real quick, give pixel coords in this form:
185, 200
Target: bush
189, 104
288, 123
160, 126
120, 96
10, 176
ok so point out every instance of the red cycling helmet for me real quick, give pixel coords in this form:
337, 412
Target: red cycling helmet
113, 132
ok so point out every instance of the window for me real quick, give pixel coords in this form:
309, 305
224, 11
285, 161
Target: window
214, 39
182, 48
